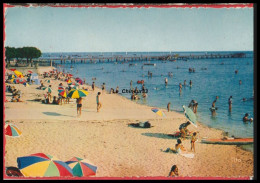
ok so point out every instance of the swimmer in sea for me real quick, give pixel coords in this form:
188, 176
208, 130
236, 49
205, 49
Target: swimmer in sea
230, 103
246, 119
190, 83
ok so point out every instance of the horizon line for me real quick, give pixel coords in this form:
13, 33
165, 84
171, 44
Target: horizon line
141, 51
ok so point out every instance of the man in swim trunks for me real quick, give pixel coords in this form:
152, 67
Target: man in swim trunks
79, 105
99, 105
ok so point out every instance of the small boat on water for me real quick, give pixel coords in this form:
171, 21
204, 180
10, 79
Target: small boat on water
150, 64
132, 64
172, 60
229, 141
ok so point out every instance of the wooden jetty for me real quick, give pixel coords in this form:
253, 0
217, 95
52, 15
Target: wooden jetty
128, 58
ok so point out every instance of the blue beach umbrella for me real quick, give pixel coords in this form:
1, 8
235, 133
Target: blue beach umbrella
190, 115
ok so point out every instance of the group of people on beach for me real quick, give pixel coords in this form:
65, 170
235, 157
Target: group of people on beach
16, 94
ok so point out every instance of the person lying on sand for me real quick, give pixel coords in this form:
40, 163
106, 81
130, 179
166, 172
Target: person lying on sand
146, 124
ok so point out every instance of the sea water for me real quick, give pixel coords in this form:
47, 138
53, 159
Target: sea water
218, 79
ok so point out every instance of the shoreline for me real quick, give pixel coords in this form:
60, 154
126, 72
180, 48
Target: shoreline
131, 146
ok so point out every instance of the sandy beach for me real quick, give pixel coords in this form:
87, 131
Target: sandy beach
105, 138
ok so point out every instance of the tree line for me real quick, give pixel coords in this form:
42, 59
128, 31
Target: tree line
20, 53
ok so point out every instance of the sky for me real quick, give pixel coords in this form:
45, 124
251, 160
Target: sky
53, 29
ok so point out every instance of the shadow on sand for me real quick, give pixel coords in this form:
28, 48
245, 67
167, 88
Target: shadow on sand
55, 114
159, 135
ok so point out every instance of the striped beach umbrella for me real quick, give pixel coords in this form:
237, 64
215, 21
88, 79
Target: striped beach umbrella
18, 74
69, 81
81, 167
190, 115
13, 80
63, 93
43, 165
76, 93
80, 81
12, 130
158, 111
26, 84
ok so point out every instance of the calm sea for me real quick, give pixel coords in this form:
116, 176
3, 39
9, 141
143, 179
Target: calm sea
218, 78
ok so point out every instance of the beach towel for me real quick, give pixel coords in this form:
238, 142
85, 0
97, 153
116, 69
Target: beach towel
187, 155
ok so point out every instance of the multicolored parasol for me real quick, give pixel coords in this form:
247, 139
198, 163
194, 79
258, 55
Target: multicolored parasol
76, 93
158, 111
43, 165
81, 167
12, 130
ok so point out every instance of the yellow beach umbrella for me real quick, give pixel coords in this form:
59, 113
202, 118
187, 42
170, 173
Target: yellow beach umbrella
76, 93
18, 74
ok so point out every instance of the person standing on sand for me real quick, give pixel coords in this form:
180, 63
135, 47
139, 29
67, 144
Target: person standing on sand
193, 140
99, 105
93, 86
79, 105
230, 103
168, 106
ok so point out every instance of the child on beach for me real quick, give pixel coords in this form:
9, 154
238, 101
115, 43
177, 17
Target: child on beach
193, 140
174, 171
79, 105
99, 105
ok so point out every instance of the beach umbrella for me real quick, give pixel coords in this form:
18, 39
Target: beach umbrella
80, 81
77, 78
12, 69
73, 84
63, 93
48, 89
13, 81
190, 115
12, 76
70, 75
26, 84
158, 111
81, 167
43, 165
30, 71
76, 93
18, 74
69, 81
12, 130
